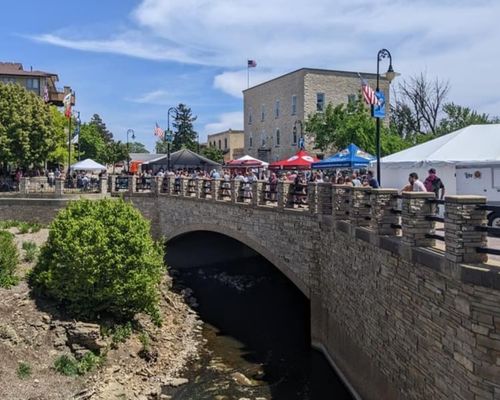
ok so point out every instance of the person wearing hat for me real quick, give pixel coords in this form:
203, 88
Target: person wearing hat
434, 184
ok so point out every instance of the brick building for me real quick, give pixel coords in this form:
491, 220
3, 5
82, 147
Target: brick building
275, 111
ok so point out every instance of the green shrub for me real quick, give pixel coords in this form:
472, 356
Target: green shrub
23, 370
9, 259
8, 224
121, 333
100, 259
66, 365
24, 227
35, 227
30, 251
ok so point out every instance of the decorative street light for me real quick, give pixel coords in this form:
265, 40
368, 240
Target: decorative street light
77, 132
169, 136
301, 139
378, 111
132, 134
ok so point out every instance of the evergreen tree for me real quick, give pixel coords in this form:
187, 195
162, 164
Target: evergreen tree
97, 121
184, 133
161, 147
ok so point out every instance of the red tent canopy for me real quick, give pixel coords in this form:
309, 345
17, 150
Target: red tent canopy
301, 160
244, 163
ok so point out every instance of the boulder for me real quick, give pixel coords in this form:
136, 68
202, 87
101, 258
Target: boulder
82, 334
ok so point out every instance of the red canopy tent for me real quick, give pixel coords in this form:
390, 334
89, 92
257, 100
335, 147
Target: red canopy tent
246, 162
301, 160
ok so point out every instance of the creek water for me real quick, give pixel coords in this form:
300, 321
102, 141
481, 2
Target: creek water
256, 335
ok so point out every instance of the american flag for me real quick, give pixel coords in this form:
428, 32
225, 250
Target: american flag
158, 131
368, 92
252, 64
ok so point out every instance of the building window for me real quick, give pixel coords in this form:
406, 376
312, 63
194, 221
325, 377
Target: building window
262, 139
220, 147
320, 101
7, 80
225, 143
32, 84
294, 135
250, 140
277, 109
294, 105
351, 99
277, 137
262, 113
250, 118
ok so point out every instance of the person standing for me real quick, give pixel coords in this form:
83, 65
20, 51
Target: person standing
434, 184
417, 185
372, 182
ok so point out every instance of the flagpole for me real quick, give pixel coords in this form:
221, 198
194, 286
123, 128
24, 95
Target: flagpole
69, 147
248, 75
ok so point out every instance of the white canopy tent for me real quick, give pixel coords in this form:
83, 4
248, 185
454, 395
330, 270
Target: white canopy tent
88, 165
250, 158
467, 161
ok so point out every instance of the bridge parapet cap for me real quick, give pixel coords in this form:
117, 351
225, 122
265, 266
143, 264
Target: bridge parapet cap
465, 199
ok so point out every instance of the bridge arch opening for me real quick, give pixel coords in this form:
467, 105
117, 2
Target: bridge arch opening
257, 322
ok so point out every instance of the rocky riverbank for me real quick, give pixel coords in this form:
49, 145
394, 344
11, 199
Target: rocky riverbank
33, 334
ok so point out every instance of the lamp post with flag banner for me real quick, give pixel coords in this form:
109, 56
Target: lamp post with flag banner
169, 136
67, 114
377, 101
132, 135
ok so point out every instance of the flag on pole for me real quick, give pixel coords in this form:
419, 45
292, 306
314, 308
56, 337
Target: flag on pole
46, 94
158, 131
251, 64
368, 92
67, 105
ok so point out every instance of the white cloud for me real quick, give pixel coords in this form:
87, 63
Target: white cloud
455, 39
234, 82
161, 97
231, 120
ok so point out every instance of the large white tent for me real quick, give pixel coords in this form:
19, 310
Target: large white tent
467, 161
88, 165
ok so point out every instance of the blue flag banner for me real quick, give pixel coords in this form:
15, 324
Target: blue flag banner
379, 106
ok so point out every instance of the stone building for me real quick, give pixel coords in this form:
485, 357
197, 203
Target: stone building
231, 142
39, 82
275, 111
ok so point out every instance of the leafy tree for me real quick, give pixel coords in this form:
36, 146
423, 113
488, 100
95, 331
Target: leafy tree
26, 127
60, 125
92, 144
161, 147
137, 147
100, 260
458, 117
184, 133
341, 125
213, 153
115, 152
97, 121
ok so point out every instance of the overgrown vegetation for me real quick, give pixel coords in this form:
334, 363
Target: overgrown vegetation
9, 258
30, 251
24, 227
69, 366
23, 370
120, 334
100, 260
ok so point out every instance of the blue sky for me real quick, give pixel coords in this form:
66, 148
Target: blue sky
130, 60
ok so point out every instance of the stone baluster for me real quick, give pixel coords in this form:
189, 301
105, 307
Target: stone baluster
324, 198
340, 201
59, 188
24, 184
287, 195
132, 184
416, 207
461, 216
103, 185
158, 184
359, 206
312, 198
235, 188
112, 178
170, 185
183, 187
197, 188
383, 219
256, 189
280, 195
215, 189
261, 191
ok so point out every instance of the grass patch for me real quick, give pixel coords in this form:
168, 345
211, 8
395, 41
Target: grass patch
120, 334
69, 366
23, 370
24, 227
30, 251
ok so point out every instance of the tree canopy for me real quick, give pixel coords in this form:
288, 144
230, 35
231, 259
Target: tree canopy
213, 153
137, 147
28, 130
338, 126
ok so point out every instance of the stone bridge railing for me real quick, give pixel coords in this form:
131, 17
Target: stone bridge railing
411, 216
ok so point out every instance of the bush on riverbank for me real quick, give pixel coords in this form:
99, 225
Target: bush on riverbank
9, 259
100, 260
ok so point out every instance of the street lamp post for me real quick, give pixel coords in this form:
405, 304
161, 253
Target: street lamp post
168, 136
77, 132
390, 75
132, 134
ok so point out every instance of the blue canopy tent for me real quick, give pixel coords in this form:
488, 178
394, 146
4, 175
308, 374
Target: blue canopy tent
351, 157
